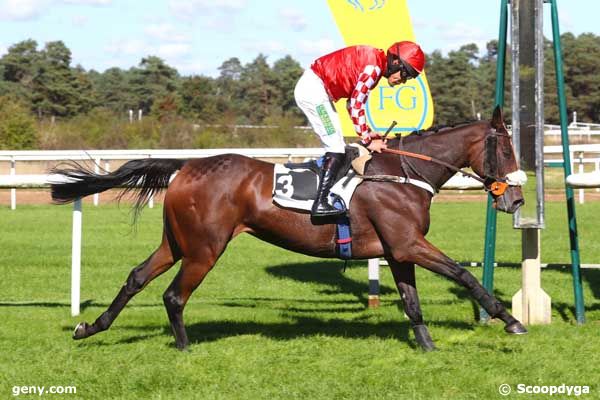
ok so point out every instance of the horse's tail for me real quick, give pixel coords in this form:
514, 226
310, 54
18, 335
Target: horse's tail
146, 176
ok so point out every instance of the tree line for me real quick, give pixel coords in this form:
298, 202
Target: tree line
46, 102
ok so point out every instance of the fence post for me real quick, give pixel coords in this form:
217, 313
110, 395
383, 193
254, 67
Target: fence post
151, 200
13, 191
373, 282
97, 171
76, 258
580, 170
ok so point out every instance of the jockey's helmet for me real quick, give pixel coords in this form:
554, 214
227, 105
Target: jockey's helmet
411, 57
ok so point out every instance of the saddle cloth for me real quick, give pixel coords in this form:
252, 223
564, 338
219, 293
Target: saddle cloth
297, 187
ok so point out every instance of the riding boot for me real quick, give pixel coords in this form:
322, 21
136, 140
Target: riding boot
331, 166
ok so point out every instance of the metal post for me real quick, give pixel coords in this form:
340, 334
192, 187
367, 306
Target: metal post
572, 221
76, 258
489, 250
530, 304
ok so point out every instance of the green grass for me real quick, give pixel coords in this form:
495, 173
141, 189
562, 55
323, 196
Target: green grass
270, 324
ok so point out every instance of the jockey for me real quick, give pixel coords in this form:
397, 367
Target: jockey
349, 73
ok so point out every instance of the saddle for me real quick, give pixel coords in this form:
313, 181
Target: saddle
295, 187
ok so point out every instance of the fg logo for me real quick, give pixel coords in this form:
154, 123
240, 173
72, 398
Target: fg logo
358, 5
408, 104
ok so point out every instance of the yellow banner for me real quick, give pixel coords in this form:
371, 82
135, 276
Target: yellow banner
380, 23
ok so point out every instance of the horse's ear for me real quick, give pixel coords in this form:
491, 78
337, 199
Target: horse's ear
497, 118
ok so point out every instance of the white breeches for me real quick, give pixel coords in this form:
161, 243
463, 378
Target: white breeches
312, 98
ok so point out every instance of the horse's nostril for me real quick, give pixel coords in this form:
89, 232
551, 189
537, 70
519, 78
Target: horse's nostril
517, 204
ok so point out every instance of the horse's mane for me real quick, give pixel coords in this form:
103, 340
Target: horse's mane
436, 128
418, 136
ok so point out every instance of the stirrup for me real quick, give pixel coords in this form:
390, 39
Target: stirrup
326, 212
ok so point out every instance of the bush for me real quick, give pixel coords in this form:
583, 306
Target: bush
17, 126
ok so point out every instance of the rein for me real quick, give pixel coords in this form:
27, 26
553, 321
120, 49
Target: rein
433, 160
495, 185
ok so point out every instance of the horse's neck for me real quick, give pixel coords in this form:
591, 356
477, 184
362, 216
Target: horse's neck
450, 146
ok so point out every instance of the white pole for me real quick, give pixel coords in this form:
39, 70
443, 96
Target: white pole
13, 192
130, 116
581, 191
76, 258
151, 201
97, 171
373, 282
597, 170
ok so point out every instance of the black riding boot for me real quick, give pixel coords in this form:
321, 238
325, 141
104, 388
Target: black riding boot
331, 165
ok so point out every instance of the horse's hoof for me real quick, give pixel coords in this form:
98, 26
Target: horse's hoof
423, 338
516, 328
182, 347
80, 331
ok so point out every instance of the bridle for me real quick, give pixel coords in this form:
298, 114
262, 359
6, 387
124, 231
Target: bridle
491, 181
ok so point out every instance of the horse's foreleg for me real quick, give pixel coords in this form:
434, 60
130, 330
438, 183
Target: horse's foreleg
160, 261
428, 256
404, 276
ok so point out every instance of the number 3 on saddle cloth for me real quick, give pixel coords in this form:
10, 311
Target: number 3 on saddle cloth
295, 186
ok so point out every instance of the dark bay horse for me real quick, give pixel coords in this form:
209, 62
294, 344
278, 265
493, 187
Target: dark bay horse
211, 200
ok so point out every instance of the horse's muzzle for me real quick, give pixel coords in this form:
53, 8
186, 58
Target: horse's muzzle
510, 201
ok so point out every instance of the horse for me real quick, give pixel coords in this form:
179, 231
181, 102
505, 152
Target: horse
211, 200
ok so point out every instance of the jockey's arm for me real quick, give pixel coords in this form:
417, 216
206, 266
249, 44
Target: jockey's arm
357, 109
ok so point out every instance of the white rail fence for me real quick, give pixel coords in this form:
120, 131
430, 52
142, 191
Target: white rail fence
31, 181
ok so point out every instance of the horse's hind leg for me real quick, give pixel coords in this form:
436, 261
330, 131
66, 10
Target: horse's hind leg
190, 276
428, 256
404, 276
160, 261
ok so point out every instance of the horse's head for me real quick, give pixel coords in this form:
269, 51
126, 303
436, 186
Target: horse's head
498, 165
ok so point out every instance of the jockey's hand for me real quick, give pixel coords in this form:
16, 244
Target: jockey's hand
377, 145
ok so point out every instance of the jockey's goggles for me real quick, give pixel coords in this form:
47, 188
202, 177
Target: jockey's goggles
406, 70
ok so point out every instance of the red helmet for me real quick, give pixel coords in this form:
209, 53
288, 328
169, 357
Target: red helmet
409, 53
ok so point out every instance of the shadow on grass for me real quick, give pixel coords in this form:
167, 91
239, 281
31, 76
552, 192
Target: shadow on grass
50, 304
203, 332
565, 310
330, 274
592, 277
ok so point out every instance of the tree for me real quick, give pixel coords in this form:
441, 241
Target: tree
199, 99
114, 90
287, 71
581, 66
17, 126
258, 89
19, 68
153, 80
56, 87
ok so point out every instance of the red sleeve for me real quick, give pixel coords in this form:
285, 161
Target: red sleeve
356, 103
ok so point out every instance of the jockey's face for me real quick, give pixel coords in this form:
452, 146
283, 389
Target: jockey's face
396, 79
399, 77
